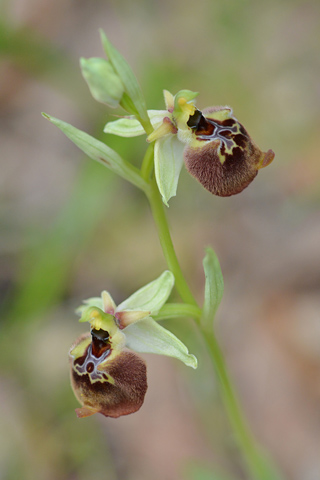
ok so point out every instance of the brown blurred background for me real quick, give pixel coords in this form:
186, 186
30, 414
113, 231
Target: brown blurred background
70, 228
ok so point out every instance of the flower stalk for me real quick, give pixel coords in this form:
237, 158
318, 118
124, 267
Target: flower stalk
162, 226
257, 464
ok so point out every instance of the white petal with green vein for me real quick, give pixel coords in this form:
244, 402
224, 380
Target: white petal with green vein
131, 127
152, 296
168, 160
147, 336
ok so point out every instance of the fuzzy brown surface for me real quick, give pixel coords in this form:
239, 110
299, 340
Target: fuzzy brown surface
226, 179
124, 397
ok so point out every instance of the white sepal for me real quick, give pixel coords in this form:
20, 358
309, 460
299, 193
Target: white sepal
131, 127
168, 160
152, 296
147, 336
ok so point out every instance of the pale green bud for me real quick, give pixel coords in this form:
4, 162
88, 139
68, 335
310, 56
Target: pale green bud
104, 83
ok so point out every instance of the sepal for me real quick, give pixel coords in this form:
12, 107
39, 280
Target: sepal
168, 161
152, 296
131, 127
147, 336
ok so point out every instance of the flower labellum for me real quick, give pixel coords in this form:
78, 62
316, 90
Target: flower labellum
221, 154
105, 378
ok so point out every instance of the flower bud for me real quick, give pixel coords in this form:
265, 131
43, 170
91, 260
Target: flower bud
104, 378
221, 155
104, 84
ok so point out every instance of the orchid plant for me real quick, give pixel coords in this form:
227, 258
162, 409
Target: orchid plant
107, 375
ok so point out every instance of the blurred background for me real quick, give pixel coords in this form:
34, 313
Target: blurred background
70, 228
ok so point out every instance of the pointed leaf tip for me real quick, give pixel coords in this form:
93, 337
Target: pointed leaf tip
100, 152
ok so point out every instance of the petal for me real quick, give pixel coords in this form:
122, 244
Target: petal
168, 160
164, 129
131, 127
108, 304
147, 336
105, 303
128, 317
169, 100
152, 296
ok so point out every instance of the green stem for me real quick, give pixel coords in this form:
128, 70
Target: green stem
174, 310
147, 163
148, 128
161, 222
257, 462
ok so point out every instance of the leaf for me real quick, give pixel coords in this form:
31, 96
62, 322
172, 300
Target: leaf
131, 127
168, 160
100, 152
213, 287
127, 76
152, 296
147, 336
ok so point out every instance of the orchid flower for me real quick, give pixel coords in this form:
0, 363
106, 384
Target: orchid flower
106, 375
216, 148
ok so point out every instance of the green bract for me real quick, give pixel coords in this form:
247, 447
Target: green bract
100, 152
104, 84
133, 318
213, 288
